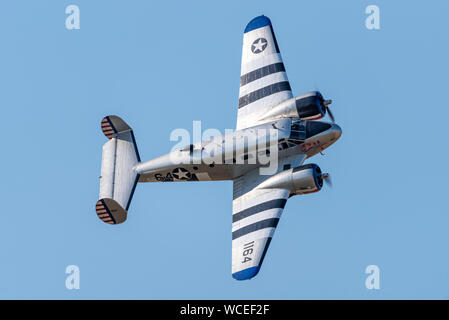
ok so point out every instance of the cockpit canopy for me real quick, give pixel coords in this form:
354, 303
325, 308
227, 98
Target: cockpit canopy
298, 130
302, 130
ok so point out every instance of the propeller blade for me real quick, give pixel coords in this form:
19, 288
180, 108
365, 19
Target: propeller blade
326, 105
331, 115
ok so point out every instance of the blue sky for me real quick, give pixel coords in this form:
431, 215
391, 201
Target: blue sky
161, 65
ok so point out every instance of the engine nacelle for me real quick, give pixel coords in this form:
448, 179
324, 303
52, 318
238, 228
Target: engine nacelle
308, 106
300, 180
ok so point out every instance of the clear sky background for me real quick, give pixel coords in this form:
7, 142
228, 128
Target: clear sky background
161, 65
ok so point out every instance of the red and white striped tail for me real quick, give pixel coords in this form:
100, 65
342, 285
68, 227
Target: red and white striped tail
110, 211
103, 212
108, 128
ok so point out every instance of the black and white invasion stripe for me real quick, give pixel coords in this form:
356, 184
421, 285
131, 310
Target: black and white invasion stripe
264, 92
257, 217
261, 72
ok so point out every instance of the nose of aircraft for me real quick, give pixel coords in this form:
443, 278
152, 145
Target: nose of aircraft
314, 128
336, 130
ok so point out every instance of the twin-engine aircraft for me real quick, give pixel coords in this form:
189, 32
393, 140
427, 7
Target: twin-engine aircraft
266, 104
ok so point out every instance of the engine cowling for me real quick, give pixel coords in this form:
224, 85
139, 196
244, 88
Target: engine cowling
307, 179
310, 106
300, 180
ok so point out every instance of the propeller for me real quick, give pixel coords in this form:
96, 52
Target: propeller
326, 104
327, 178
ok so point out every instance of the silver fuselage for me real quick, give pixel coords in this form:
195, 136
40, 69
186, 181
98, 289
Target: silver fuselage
216, 159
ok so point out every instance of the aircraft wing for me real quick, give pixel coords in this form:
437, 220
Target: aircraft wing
263, 80
255, 216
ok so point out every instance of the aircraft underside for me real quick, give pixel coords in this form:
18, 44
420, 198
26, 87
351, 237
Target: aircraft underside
275, 133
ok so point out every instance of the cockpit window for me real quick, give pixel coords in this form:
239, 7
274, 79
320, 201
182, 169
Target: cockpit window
298, 130
298, 127
316, 127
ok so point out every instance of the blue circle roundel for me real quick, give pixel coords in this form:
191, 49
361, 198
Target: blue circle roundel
259, 45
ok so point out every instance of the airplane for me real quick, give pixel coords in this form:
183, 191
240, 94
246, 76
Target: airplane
265, 104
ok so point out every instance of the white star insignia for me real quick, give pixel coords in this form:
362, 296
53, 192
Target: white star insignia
183, 175
259, 45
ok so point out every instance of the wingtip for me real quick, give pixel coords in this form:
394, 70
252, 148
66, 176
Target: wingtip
258, 22
246, 274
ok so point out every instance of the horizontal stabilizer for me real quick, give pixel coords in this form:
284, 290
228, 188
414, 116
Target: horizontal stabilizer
118, 175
